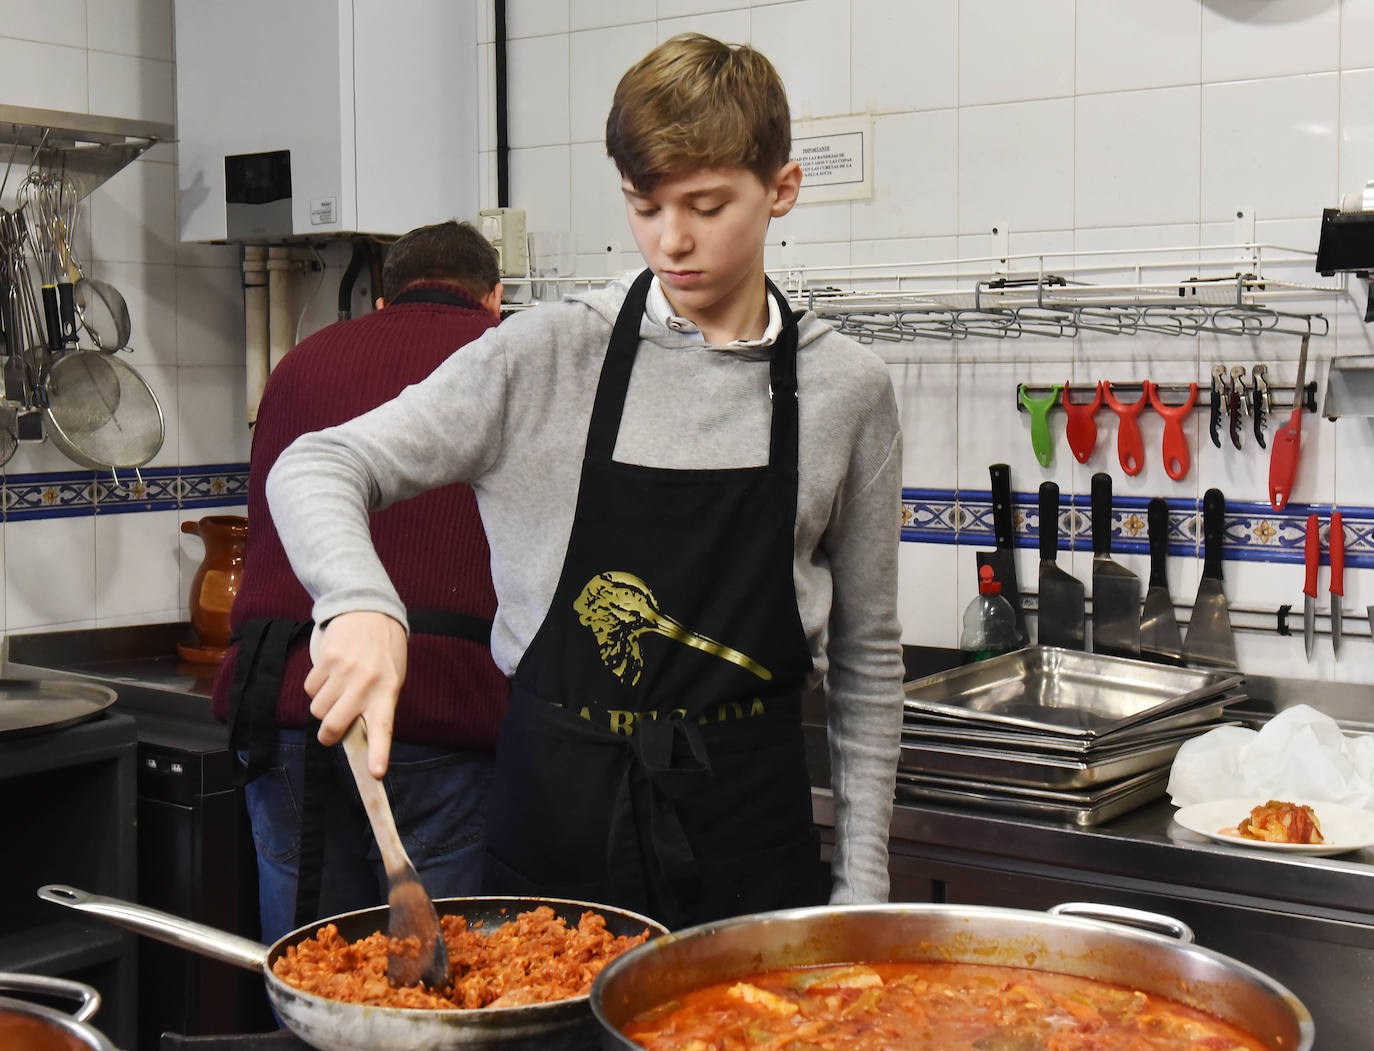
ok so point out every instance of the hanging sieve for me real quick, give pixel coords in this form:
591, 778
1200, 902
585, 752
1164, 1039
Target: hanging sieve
102, 414
9, 432
103, 313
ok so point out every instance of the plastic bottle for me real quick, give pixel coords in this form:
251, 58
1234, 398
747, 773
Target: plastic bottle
989, 622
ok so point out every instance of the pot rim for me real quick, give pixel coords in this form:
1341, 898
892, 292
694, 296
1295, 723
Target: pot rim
989, 913
83, 1031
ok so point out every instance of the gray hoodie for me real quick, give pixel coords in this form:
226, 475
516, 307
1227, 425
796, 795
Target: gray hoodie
508, 414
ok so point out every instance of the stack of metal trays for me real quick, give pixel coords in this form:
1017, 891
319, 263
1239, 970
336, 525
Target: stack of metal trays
1054, 733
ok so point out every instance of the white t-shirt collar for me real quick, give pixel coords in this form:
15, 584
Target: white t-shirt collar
658, 310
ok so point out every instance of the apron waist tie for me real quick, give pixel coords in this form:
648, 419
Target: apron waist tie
659, 772
265, 643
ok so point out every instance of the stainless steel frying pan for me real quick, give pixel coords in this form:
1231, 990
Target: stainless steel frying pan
337, 1026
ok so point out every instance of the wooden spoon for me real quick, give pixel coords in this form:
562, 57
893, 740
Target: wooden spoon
412, 912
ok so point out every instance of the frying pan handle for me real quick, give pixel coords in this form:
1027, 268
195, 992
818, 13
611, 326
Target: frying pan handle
1123, 917
217, 944
42, 985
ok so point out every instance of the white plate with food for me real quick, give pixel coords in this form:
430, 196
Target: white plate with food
1342, 828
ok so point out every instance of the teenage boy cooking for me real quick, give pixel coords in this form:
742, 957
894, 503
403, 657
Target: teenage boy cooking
692, 498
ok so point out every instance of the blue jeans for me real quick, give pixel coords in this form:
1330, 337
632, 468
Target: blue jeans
438, 796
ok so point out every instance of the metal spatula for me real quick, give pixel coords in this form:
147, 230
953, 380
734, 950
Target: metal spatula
1116, 590
1061, 595
412, 912
1160, 639
1209, 642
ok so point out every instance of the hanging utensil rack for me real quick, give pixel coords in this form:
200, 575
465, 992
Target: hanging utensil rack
1229, 289
1241, 289
89, 149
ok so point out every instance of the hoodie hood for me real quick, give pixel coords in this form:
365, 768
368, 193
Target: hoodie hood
608, 300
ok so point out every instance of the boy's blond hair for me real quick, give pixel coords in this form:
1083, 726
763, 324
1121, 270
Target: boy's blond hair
694, 102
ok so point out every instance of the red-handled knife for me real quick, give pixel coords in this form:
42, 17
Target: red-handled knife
1312, 556
1283, 459
1335, 543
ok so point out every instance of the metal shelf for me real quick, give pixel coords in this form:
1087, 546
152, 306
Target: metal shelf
1240, 289
1244, 289
88, 148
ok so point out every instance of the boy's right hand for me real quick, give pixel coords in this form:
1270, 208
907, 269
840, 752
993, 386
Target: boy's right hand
359, 665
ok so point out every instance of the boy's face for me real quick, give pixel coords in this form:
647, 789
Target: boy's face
701, 232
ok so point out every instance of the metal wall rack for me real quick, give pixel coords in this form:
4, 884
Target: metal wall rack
1244, 289
1240, 289
1132, 391
89, 149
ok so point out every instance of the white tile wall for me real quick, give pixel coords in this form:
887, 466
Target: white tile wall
886, 35
597, 59
1137, 157
1241, 40
1111, 126
1010, 50
1016, 165
1163, 38
1106, 125
131, 27
1270, 144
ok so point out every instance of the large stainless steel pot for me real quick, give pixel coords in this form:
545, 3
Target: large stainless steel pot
337, 1026
44, 1027
1056, 941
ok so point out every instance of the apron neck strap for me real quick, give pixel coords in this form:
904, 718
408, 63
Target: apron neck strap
620, 358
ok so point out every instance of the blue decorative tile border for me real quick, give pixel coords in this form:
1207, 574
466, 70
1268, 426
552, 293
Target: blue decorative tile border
68, 494
1254, 532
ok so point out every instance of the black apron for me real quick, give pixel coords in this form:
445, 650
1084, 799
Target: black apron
264, 645
651, 756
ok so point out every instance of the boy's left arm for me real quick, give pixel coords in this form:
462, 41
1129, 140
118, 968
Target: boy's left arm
864, 677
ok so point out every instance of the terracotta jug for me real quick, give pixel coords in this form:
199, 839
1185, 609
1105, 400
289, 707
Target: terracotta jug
215, 584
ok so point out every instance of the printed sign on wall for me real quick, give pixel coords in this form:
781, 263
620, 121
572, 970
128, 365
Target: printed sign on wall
836, 157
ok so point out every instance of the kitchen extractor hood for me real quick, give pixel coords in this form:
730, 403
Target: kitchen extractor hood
325, 117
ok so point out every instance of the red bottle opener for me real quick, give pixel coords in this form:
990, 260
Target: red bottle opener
1175, 444
1081, 428
1130, 446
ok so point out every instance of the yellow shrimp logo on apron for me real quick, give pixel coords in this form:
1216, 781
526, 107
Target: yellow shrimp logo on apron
620, 608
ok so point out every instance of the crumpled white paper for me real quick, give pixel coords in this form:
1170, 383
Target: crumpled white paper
1299, 754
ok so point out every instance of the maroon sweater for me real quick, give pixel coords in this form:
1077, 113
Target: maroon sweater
433, 546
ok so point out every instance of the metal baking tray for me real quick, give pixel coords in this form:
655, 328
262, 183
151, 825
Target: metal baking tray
1051, 745
1083, 810
1198, 714
1054, 690
35, 705
1030, 768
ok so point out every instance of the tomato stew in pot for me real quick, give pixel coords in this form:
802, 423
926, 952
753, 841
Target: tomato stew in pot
916, 1006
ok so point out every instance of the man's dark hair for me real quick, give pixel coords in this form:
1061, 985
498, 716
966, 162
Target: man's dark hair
452, 253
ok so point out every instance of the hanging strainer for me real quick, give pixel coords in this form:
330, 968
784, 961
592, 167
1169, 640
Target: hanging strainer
102, 311
9, 432
102, 414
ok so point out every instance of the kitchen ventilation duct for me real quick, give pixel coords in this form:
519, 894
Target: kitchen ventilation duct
325, 117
